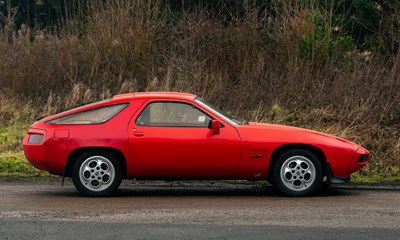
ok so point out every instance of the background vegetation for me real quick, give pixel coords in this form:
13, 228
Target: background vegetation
328, 65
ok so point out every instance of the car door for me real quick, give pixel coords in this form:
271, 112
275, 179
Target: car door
174, 136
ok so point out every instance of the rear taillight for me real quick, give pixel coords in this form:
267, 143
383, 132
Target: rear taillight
35, 138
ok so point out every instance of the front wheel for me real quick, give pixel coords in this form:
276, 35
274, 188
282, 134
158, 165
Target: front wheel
96, 174
297, 173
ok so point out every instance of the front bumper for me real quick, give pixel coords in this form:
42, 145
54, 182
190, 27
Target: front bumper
334, 180
360, 159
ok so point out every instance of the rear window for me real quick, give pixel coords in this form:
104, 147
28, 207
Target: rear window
93, 116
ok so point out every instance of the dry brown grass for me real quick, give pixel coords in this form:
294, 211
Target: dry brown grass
251, 67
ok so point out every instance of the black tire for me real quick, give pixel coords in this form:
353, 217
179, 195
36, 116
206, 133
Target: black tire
96, 173
297, 173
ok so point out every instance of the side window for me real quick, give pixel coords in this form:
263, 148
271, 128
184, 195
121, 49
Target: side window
172, 114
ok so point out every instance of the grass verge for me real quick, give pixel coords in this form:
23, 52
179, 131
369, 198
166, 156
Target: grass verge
14, 164
358, 178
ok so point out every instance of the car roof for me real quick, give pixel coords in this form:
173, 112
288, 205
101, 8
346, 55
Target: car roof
164, 95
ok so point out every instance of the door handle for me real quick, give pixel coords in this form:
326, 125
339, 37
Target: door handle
137, 133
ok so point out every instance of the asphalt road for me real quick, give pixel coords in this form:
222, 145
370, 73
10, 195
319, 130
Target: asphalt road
194, 210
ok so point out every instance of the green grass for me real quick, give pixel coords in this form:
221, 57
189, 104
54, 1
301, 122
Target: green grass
358, 178
11, 137
14, 164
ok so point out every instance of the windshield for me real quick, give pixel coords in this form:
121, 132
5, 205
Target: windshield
226, 116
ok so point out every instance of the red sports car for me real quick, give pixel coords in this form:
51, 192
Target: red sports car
170, 135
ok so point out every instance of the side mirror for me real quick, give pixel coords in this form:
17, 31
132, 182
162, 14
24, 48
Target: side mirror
214, 125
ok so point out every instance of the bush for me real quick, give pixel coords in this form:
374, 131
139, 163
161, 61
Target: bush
285, 63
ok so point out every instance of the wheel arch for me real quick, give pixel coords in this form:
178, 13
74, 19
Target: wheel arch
77, 152
286, 147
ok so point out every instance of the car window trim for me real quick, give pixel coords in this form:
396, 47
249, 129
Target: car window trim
87, 110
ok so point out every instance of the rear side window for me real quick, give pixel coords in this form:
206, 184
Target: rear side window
92, 116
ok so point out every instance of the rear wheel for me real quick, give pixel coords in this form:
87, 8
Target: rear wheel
297, 173
96, 173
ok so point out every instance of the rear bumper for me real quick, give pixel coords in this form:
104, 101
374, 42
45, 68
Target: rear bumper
35, 152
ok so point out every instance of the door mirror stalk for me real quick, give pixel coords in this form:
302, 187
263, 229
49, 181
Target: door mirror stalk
214, 125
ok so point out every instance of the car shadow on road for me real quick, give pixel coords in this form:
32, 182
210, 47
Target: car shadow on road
199, 188
157, 188
268, 191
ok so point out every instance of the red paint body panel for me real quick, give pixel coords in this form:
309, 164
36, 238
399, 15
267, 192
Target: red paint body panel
177, 149
269, 137
184, 148
36, 153
233, 152
61, 134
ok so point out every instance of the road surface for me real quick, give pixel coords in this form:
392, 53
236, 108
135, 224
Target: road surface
194, 210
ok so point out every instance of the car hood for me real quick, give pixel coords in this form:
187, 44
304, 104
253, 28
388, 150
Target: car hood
287, 133
285, 128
